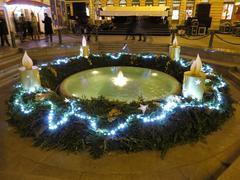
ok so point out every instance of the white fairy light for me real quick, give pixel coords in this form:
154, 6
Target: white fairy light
167, 107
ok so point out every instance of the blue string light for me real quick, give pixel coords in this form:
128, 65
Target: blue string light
58, 117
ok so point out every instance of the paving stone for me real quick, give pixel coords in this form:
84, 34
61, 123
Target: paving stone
34, 177
52, 171
59, 159
236, 164
230, 154
206, 169
231, 174
10, 176
109, 176
202, 160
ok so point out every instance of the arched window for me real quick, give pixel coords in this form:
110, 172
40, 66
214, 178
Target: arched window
135, 3
149, 2
110, 3
123, 3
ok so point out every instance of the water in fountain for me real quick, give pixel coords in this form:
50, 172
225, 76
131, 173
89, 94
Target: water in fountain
120, 83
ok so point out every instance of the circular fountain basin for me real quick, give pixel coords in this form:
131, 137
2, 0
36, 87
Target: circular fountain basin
120, 83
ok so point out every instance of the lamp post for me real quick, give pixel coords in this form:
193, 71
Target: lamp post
210, 44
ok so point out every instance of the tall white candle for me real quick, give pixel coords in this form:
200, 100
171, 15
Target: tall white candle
84, 50
175, 50
194, 81
29, 74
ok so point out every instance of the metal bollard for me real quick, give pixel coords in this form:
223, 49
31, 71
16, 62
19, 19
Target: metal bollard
60, 36
13, 40
210, 44
96, 35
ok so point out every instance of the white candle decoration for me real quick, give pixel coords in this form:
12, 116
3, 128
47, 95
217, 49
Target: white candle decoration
84, 41
27, 61
194, 81
29, 74
174, 50
84, 50
175, 41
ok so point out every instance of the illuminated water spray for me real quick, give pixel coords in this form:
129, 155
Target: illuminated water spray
120, 80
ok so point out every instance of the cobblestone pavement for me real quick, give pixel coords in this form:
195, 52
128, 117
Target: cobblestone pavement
202, 43
203, 160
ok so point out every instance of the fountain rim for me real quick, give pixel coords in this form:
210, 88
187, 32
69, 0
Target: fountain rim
176, 89
61, 114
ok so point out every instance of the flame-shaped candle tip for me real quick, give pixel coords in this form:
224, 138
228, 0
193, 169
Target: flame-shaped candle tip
175, 41
196, 67
27, 61
84, 41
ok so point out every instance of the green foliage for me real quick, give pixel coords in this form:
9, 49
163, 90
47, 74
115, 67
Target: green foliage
101, 107
184, 126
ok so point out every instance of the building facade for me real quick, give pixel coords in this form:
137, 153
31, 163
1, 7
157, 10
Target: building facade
179, 10
11, 10
16, 8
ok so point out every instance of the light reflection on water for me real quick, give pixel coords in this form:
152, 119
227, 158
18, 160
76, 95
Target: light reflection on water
149, 84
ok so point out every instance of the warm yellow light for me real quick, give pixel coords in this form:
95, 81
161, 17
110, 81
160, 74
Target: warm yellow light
27, 61
84, 41
95, 72
193, 86
120, 80
196, 67
84, 49
175, 42
154, 74
194, 81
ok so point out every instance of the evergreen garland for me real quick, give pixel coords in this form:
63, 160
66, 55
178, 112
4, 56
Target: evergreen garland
183, 126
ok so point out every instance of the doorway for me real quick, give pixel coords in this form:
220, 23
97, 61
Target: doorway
79, 12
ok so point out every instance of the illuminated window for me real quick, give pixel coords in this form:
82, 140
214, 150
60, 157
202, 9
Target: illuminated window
176, 9
135, 3
149, 2
110, 3
227, 11
189, 8
163, 2
123, 3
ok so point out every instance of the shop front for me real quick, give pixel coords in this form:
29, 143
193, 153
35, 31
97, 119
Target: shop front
4, 16
18, 8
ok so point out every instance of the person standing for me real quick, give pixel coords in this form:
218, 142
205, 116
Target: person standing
77, 26
140, 29
48, 27
22, 27
3, 32
34, 24
131, 28
87, 30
